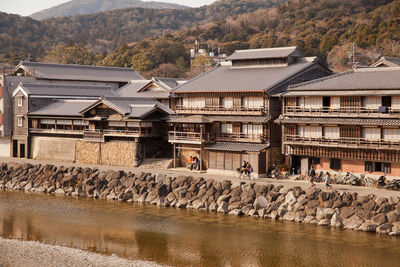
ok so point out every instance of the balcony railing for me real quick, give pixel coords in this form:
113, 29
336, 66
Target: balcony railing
342, 142
240, 137
220, 110
342, 111
94, 135
55, 131
190, 137
111, 132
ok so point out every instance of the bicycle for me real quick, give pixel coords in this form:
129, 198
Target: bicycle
241, 175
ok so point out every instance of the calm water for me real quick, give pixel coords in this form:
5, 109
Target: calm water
187, 238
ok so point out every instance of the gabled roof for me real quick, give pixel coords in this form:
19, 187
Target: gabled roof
62, 108
77, 72
60, 90
139, 88
359, 79
138, 107
227, 79
277, 52
387, 62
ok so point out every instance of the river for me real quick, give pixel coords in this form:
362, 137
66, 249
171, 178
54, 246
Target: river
187, 237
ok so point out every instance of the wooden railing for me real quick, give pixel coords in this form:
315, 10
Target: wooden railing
190, 137
94, 135
240, 137
55, 131
342, 142
341, 111
127, 133
234, 110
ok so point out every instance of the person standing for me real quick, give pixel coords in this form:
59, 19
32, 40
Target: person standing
312, 176
328, 181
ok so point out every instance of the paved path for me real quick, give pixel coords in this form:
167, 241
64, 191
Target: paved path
182, 171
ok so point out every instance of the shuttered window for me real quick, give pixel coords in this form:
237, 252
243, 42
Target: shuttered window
227, 102
310, 131
47, 121
64, 122
133, 124
252, 129
371, 133
226, 128
332, 132
372, 102
212, 161
395, 102
253, 102
391, 134
76, 122
335, 102
313, 102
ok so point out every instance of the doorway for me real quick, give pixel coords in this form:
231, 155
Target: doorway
15, 149
387, 101
22, 150
326, 102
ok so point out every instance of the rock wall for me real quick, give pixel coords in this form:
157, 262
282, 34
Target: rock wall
115, 153
334, 209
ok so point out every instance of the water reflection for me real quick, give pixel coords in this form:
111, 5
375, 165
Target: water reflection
182, 238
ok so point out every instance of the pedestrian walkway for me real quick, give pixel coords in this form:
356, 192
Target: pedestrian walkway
182, 171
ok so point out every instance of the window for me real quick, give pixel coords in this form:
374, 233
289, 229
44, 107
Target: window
391, 134
387, 168
335, 164
378, 166
372, 102
20, 101
332, 132
310, 131
371, 133
313, 102
227, 102
256, 129
253, 102
368, 166
20, 122
226, 128
315, 161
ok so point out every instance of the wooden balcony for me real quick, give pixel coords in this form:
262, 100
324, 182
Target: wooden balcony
127, 133
220, 110
55, 131
342, 142
342, 112
240, 137
195, 138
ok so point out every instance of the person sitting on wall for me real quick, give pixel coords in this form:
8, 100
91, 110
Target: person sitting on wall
248, 168
242, 168
197, 163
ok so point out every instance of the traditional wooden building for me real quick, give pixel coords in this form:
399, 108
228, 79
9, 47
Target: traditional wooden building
225, 116
54, 74
85, 124
348, 122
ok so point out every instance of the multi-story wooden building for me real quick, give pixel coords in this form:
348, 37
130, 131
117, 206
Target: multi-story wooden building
51, 74
86, 124
348, 122
225, 116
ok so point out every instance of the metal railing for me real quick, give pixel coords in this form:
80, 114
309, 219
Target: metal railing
343, 141
220, 109
240, 137
190, 137
341, 111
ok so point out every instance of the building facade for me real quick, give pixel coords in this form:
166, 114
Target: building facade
225, 116
347, 122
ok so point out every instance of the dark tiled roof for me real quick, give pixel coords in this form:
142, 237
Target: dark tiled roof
66, 90
190, 119
359, 79
340, 121
237, 147
62, 108
133, 89
254, 119
277, 52
138, 107
228, 79
79, 72
171, 83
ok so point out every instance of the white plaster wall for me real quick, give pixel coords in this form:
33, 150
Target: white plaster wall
5, 147
60, 149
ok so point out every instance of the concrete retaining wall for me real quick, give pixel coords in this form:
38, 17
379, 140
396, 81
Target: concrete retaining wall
62, 149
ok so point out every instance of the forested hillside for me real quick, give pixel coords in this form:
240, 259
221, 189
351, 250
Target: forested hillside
146, 38
80, 7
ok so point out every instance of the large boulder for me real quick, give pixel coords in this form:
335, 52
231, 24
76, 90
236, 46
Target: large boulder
260, 203
324, 222
223, 198
223, 207
384, 228
289, 216
336, 220
324, 213
379, 219
368, 226
346, 212
290, 198
198, 204
299, 216
353, 222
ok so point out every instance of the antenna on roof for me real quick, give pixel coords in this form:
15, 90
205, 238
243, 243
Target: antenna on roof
352, 56
28, 59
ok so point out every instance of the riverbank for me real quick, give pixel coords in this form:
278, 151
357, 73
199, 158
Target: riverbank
30, 253
349, 210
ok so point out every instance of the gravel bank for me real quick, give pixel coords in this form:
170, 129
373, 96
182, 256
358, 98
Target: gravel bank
28, 253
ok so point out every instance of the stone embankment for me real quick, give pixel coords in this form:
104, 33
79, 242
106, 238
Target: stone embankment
325, 208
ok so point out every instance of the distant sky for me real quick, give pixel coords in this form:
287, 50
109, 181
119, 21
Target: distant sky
27, 7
